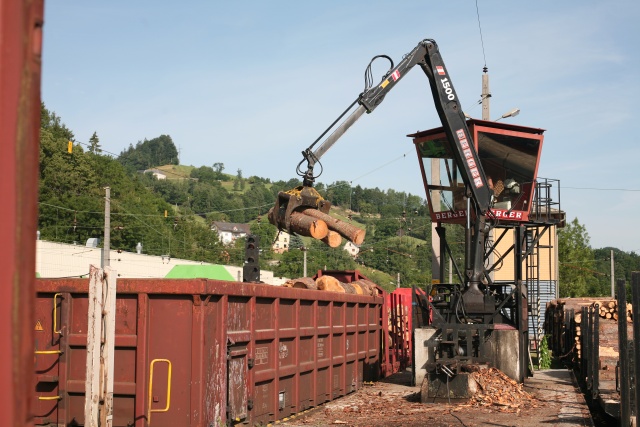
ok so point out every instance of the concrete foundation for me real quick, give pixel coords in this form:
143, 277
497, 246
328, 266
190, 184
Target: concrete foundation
423, 352
440, 386
502, 346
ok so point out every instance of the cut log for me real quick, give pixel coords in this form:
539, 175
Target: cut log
304, 283
329, 283
615, 316
611, 304
333, 239
607, 316
358, 288
348, 231
303, 225
348, 288
368, 287
308, 226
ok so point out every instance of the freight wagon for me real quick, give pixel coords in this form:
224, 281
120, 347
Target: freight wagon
210, 353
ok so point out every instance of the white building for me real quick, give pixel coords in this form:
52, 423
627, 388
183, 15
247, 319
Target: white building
60, 260
282, 242
228, 232
352, 249
157, 173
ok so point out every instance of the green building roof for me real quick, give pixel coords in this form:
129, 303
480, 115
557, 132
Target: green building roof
217, 272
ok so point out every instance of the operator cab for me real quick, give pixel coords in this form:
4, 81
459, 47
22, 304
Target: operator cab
509, 155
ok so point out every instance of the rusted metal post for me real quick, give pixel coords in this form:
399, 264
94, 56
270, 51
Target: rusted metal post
588, 354
584, 350
625, 398
21, 46
595, 371
635, 307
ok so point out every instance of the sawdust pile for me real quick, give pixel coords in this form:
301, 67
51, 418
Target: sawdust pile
498, 390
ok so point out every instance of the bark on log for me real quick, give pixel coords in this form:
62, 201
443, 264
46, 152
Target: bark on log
333, 239
348, 288
348, 231
329, 283
308, 226
304, 283
368, 287
358, 288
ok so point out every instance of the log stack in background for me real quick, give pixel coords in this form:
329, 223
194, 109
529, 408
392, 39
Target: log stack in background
609, 313
610, 310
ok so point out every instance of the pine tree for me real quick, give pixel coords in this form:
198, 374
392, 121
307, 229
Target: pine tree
94, 144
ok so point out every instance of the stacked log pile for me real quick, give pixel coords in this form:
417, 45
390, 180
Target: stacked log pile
610, 310
318, 225
331, 284
558, 309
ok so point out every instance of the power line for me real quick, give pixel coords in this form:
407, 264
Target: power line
481, 39
600, 189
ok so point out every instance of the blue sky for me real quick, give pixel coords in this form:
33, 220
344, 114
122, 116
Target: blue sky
253, 83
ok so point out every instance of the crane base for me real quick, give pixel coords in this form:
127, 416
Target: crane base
436, 386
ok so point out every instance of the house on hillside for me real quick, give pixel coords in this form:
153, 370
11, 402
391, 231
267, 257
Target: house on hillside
157, 173
282, 242
352, 249
228, 232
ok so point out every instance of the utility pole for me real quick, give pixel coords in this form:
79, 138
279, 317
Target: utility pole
485, 94
106, 251
613, 276
304, 261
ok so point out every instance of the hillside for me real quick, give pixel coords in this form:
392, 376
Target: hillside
173, 216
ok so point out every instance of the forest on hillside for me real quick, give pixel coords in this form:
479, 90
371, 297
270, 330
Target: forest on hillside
173, 216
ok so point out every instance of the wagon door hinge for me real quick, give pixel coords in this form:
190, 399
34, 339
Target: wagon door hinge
230, 343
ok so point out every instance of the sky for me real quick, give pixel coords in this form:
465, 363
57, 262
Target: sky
251, 84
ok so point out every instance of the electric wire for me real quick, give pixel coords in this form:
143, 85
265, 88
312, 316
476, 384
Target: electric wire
481, 38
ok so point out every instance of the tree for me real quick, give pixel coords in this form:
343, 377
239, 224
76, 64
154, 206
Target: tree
236, 182
148, 153
295, 242
94, 144
204, 174
218, 167
577, 262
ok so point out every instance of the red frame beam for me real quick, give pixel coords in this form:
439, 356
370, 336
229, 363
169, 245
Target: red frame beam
20, 50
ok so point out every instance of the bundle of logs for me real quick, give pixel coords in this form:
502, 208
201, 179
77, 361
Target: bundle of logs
321, 226
610, 310
331, 284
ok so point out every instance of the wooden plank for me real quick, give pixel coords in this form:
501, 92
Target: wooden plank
108, 350
92, 382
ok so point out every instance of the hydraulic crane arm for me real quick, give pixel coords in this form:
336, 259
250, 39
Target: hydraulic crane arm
427, 56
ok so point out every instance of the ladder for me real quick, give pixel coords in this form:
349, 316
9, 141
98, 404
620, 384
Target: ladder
532, 277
